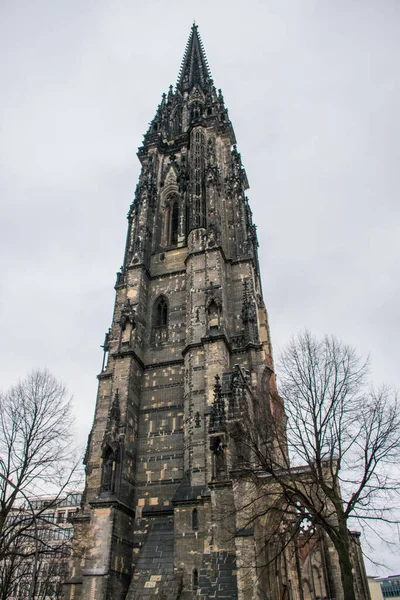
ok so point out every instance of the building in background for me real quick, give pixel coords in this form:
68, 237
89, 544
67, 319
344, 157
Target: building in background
188, 348
375, 589
390, 586
50, 538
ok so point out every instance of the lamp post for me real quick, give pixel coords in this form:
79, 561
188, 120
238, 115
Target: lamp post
35, 561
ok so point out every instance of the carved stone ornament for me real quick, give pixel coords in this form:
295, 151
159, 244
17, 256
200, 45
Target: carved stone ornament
110, 448
217, 416
213, 294
196, 95
249, 311
213, 237
127, 315
211, 153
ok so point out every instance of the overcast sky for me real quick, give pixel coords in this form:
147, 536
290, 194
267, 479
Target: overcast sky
312, 89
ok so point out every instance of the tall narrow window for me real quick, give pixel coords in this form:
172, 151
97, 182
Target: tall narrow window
166, 222
195, 520
195, 579
170, 222
160, 320
161, 313
198, 209
174, 226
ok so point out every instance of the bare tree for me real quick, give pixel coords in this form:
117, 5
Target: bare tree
37, 456
13, 571
16, 574
333, 464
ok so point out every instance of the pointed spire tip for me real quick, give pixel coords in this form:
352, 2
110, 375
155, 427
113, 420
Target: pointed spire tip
194, 67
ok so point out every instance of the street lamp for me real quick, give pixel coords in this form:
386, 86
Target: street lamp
35, 562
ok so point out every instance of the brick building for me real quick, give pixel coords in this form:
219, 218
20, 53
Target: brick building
189, 340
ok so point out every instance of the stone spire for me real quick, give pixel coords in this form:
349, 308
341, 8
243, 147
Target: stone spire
194, 68
195, 99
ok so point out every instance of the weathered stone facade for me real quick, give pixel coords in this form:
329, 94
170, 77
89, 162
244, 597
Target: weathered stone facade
189, 329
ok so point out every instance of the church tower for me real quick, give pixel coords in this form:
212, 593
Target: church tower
188, 345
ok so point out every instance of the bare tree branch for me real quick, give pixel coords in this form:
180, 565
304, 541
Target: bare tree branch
335, 462
36, 451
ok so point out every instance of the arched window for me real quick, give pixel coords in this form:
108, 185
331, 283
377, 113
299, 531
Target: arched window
160, 320
195, 579
161, 312
195, 520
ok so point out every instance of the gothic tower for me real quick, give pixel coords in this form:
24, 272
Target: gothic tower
188, 345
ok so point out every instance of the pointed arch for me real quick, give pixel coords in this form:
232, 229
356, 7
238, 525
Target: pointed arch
160, 319
161, 312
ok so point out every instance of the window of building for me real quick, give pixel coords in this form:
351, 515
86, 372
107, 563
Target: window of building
195, 520
46, 534
161, 313
174, 225
160, 320
170, 226
195, 579
75, 499
49, 517
61, 516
